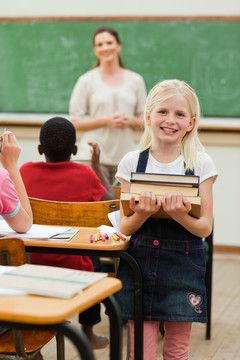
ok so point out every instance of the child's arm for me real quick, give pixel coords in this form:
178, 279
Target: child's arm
148, 204
178, 207
95, 165
9, 155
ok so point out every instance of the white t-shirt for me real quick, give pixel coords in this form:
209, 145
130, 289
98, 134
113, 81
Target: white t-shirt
93, 97
204, 169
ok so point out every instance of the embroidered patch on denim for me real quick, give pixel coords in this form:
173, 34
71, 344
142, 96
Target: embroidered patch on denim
195, 301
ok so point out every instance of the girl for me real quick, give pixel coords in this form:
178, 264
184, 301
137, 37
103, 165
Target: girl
113, 97
169, 251
14, 204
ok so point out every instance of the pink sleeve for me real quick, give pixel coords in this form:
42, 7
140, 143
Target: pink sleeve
9, 201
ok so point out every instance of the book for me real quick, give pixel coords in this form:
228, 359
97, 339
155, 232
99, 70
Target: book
169, 178
40, 232
48, 280
161, 188
161, 184
194, 200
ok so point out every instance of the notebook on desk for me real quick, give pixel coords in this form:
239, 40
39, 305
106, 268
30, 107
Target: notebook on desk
40, 232
48, 280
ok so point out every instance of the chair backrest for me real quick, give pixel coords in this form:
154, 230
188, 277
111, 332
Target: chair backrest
117, 189
12, 252
85, 214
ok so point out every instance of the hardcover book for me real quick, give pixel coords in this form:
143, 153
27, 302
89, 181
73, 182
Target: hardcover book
162, 188
161, 184
165, 177
194, 179
194, 200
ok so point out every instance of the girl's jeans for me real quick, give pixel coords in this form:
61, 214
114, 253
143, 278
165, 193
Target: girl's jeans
176, 340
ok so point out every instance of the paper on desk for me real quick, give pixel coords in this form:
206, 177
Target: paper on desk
6, 291
107, 229
49, 280
114, 218
36, 232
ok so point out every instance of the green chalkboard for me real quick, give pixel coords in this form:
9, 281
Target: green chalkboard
41, 61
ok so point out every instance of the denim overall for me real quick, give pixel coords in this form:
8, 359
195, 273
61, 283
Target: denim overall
173, 266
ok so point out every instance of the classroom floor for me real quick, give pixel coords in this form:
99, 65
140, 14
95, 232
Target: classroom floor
225, 339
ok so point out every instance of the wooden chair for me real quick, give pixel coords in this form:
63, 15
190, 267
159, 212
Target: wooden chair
22, 344
86, 214
117, 189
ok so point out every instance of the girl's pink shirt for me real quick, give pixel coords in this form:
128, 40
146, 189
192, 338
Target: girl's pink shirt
9, 201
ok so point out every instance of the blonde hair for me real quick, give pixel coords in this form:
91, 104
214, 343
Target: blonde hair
162, 91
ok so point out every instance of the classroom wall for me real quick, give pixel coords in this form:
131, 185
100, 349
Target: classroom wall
224, 153
118, 8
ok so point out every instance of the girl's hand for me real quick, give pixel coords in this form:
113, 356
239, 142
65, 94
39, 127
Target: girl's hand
175, 205
10, 150
148, 204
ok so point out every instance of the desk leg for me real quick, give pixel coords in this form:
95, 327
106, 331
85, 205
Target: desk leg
77, 337
138, 289
114, 313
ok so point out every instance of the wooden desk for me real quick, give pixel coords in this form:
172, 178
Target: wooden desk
39, 312
80, 245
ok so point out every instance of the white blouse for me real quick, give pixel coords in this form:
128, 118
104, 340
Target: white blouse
92, 97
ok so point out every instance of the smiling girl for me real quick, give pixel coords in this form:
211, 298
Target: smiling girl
107, 103
169, 251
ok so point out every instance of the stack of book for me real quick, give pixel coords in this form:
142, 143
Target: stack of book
161, 184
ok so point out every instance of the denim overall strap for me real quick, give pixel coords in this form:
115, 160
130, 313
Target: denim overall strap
142, 161
188, 171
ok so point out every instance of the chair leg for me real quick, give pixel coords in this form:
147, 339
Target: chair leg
19, 346
208, 280
128, 342
60, 347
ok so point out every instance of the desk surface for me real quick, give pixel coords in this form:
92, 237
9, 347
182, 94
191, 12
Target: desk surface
81, 241
45, 310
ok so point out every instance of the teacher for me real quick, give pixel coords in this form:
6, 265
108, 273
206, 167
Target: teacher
107, 103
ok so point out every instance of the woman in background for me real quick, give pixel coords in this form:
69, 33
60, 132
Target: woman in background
107, 103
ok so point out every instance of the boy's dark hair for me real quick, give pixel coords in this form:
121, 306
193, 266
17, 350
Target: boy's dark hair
57, 138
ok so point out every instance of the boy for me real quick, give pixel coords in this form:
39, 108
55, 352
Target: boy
59, 179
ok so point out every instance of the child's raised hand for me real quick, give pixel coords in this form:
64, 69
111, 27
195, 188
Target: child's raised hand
95, 154
10, 150
175, 205
148, 204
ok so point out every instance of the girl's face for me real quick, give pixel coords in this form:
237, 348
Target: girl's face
170, 119
106, 47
